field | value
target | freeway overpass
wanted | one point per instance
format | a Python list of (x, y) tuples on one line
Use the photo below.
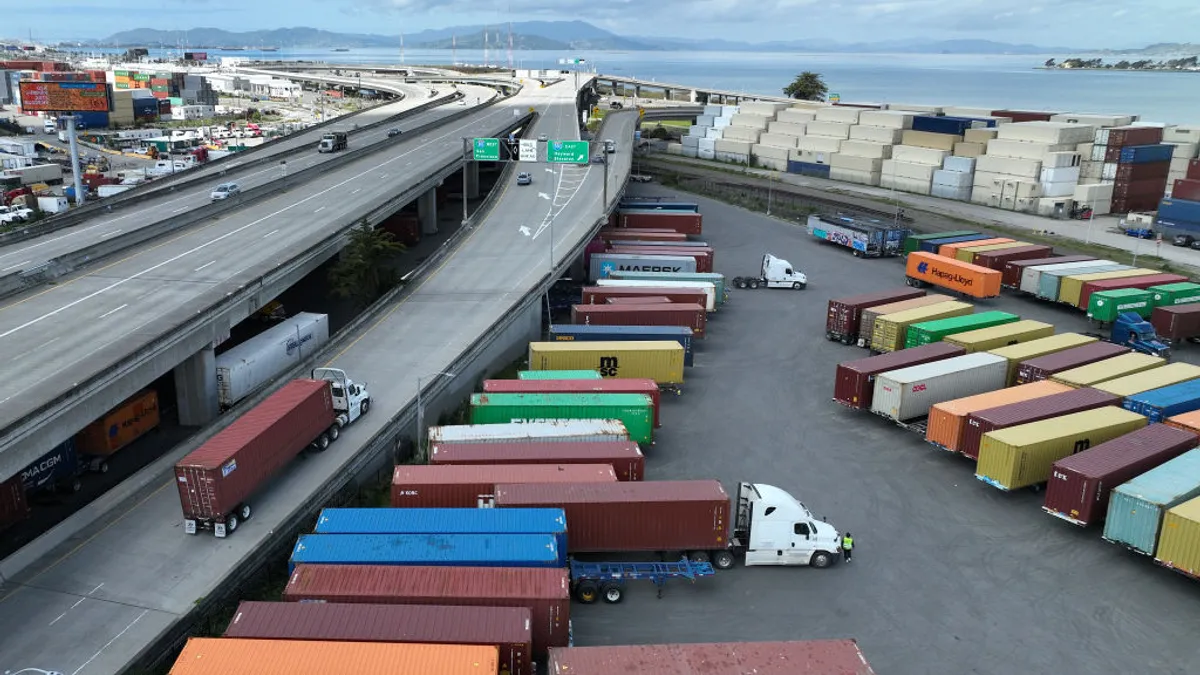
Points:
[(683, 92), (136, 585)]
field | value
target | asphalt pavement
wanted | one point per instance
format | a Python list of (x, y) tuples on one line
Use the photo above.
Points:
[(949, 575)]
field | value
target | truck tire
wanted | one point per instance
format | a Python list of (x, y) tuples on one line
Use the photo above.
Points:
[(587, 592), (366, 405), (798, 286), (322, 442), (244, 511), (698, 556), (739, 282), (821, 559), (231, 524), (613, 593), (723, 560), (753, 283), (334, 432)]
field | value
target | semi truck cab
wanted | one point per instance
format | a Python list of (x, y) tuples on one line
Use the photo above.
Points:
[(350, 400), (771, 527), (1131, 330), (333, 141)]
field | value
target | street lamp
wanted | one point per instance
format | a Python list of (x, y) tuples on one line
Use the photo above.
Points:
[(421, 409)]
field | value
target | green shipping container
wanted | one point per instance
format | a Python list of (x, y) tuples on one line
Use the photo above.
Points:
[(1182, 293), (1035, 348), (1104, 306), (713, 278), (935, 331), (1022, 456), (142, 77), (986, 339), (559, 375), (1108, 369), (891, 330), (175, 100), (913, 241), (1156, 378), (636, 411)]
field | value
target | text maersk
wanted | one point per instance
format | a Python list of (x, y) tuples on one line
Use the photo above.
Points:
[(634, 267)]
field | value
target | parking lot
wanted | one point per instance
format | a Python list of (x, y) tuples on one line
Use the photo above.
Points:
[(950, 575)]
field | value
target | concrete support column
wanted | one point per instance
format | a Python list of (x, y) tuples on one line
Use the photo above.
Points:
[(196, 388), (694, 96), (427, 211), (637, 91), (472, 170)]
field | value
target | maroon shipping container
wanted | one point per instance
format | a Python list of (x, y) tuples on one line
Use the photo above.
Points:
[(845, 314), (468, 487), (995, 260), (703, 254), (808, 657), (545, 592), (217, 478), (1045, 367), (1133, 182), (13, 507), (1079, 485), (1014, 268), (854, 383), (616, 385), (1120, 137), (632, 234), (508, 628), (1147, 202), (1147, 281), (682, 222), (981, 422), (1193, 170), (639, 300), (625, 457), (1024, 115), (1187, 189), (598, 295), (674, 314), (1178, 322), (681, 515)]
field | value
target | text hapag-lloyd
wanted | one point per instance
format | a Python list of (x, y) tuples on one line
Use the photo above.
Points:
[(952, 277)]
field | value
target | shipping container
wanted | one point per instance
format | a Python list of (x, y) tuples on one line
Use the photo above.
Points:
[(604, 264), (1026, 351), (1044, 367), (229, 656), (703, 256), (951, 250), (252, 364), (1136, 383), (657, 360), (968, 254), (972, 280), (1070, 290), (998, 259), (1108, 369), (1080, 485), (844, 315), (573, 333), (643, 387), (683, 222), (470, 486), (1021, 456), (1118, 137), (1176, 323), (823, 657), (640, 234), (1106, 306), (1014, 269), (869, 239), (121, 426), (1136, 508), (688, 316), (1031, 276), (1144, 282), (1186, 188), (1179, 542), (935, 244), (541, 375), (13, 506), (1179, 209), (1146, 154), (679, 291), (948, 419), (656, 204), (1050, 281), (1169, 295), (908, 393), (890, 332), (714, 278), (635, 411), (913, 241), (625, 457), (854, 384), (866, 328), (443, 521), (544, 591), (1188, 421), (454, 550), (935, 331), (985, 339), (686, 515), (217, 478), (982, 422), (507, 628), (564, 431)]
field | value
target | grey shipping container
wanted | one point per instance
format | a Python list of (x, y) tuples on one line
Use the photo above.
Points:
[(1031, 276), (909, 393), (604, 264), (250, 365), (525, 432)]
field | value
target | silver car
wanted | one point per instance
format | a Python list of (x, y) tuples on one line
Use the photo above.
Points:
[(225, 191)]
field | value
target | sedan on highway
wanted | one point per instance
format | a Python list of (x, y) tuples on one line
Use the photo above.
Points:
[(225, 191), (543, 138), (524, 178), (393, 132)]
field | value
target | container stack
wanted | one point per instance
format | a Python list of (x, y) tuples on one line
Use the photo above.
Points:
[(1010, 175), (1135, 162), (955, 178), (974, 142), (706, 130), (1180, 213), (1187, 148), (869, 143)]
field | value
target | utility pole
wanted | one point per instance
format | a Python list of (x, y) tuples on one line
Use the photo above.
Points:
[(466, 161), (485, 46)]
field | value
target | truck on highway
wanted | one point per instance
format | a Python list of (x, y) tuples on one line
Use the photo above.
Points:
[(216, 480), (248, 366), (333, 141), (774, 273)]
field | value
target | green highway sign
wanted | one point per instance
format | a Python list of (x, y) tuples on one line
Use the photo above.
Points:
[(567, 152), (486, 149)]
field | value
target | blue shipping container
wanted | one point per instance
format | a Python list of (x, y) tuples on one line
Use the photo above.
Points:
[(934, 124), (58, 467), (1159, 404), (1136, 508), (808, 169), (571, 333), (91, 120), (445, 521), (456, 550), (1179, 210), (1146, 154), (932, 245)]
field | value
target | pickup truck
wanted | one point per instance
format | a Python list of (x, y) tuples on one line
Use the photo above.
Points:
[(12, 215)]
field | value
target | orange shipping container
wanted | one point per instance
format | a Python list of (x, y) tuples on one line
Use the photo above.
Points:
[(233, 656), (1188, 421), (951, 250), (948, 419), (965, 278), (121, 426)]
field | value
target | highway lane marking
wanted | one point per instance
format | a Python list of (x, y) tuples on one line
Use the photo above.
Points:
[(106, 235), (319, 209), (272, 232), (205, 265), (110, 642), (180, 209), (356, 191), (77, 603), (40, 347), (20, 264), (113, 311)]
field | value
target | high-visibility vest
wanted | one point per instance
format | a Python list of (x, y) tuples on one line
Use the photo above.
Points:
[(848, 543)]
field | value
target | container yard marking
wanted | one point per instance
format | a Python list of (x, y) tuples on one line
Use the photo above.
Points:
[(110, 642), (77, 603)]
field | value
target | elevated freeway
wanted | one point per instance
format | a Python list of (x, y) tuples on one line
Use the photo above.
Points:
[(621, 83), (117, 596)]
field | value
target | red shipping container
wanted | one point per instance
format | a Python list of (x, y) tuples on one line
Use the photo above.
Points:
[(703, 254), (1085, 295), (844, 315), (508, 628), (13, 507), (682, 515), (1045, 367), (631, 234), (544, 591), (995, 260), (680, 221), (599, 295), (1080, 485), (625, 457), (1014, 268), (468, 487), (1119, 137), (214, 479), (981, 422), (1024, 115), (1187, 189), (1148, 202), (674, 314), (1193, 170), (815, 657), (639, 300), (614, 385), (1176, 323), (1136, 179), (405, 227), (854, 383)]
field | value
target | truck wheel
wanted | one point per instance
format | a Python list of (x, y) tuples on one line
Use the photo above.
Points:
[(231, 524), (366, 405), (323, 442), (613, 593), (820, 560), (587, 592), (723, 560), (102, 467), (740, 283), (698, 556), (76, 485), (753, 283), (244, 510), (334, 432), (797, 285)]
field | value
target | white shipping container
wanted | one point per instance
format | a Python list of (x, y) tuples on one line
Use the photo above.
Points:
[(991, 181), (690, 141), (960, 194), (1181, 134), (721, 122), (787, 128), (1094, 120), (867, 149), (981, 136), (1068, 174), (1052, 207), (110, 190), (865, 164), (1091, 171), (819, 144), (1101, 137), (1093, 192), (706, 153), (908, 394), (698, 131), (1000, 147), (764, 108), (574, 431), (1054, 133), (953, 179), (959, 164), (53, 204), (674, 148), (1183, 152), (859, 132), (18, 146), (708, 143), (729, 110), (709, 288), (714, 133), (917, 108), (735, 146), (712, 110), (692, 152), (752, 121), (796, 116), (778, 140), (839, 114), (840, 130), (977, 113), (1058, 190), (913, 185), (971, 150), (1109, 172), (705, 120), (810, 156), (769, 152), (985, 196), (1101, 208), (248, 366), (772, 163), (732, 157), (927, 139), (916, 155), (737, 133), (1098, 152), (1024, 168), (1060, 159), (852, 176), (922, 172), (1022, 189), (888, 119), (1031, 276)]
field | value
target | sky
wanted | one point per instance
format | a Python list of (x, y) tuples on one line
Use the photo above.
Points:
[(1115, 24)]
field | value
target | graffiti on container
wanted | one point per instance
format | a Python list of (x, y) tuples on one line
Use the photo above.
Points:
[(609, 366), (919, 387)]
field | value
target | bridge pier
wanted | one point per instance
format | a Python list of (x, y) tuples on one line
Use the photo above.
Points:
[(427, 211), (196, 388), (472, 171), (694, 96)]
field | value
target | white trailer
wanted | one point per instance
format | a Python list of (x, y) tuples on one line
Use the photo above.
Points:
[(250, 365), (38, 173), (709, 288), (578, 431)]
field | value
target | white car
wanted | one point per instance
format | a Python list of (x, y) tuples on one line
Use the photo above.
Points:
[(225, 191), (14, 214)]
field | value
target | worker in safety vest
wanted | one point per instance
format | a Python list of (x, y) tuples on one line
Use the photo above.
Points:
[(847, 546)]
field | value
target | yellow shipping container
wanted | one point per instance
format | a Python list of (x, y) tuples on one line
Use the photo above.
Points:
[(1021, 456), (1108, 369), (1179, 540), (1071, 288), (948, 418), (1165, 376), (967, 255), (661, 361), (891, 329), (1035, 348), (1005, 335)]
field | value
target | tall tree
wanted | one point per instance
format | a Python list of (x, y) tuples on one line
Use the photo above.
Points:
[(359, 273), (808, 86)]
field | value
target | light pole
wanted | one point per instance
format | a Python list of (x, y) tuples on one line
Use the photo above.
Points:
[(421, 409)]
